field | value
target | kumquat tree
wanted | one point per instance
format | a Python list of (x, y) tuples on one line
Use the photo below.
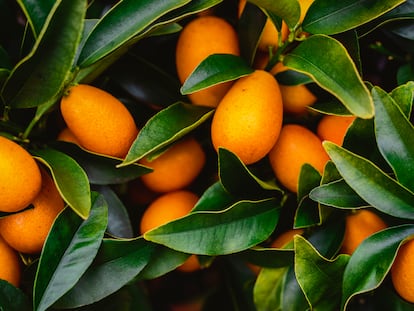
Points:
[(206, 155)]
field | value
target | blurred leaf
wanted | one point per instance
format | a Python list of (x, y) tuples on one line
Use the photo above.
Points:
[(268, 257), (214, 198), (101, 170), (330, 107), (325, 59), (403, 96), (337, 194), (331, 17), (372, 184), (241, 226), (5, 61), (121, 23), (43, 72), (293, 297), (117, 263), (288, 10), (292, 77), (372, 260), (237, 179), (12, 298), (165, 127), (395, 136), (215, 69), (36, 13), (70, 179), (319, 277), (267, 292), (119, 223), (70, 248)]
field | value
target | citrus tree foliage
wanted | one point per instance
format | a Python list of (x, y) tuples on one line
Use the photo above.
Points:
[(94, 256)]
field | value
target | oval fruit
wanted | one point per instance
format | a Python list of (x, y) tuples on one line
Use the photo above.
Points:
[(10, 267), (333, 128), (402, 271), (249, 117), (99, 121)]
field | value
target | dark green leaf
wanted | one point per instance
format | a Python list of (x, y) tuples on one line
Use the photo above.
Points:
[(331, 17), (371, 261), (237, 228), (70, 248), (371, 183), (268, 288), (41, 75), (36, 13), (117, 263), (215, 198), (123, 22), (292, 77), (403, 96), (70, 179), (12, 298), (288, 10), (293, 297), (395, 136), (165, 127), (319, 277), (216, 68), (328, 63), (268, 257)]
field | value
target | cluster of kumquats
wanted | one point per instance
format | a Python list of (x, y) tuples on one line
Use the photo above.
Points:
[(250, 119)]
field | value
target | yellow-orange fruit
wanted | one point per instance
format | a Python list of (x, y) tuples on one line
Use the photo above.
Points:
[(358, 226), (333, 128), (249, 117), (402, 271), (284, 238), (176, 168), (26, 231), (20, 179), (67, 135), (296, 146), (200, 38), (10, 267), (99, 121)]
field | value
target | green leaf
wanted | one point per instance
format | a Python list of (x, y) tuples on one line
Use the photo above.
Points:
[(372, 260), (371, 183), (395, 137), (319, 278), (214, 198), (12, 298), (292, 77), (241, 226), (330, 66), (267, 291), (331, 17), (70, 179), (121, 23), (42, 74), (237, 179), (101, 170), (403, 96), (70, 248), (117, 263), (165, 127), (268, 257), (215, 69), (36, 13)]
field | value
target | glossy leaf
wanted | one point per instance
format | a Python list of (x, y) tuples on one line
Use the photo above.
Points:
[(331, 17), (36, 13), (70, 248), (43, 72), (395, 137), (214, 198), (13, 298), (292, 77), (337, 194), (70, 179), (124, 21), (403, 96), (319, 278), (372, 184), (372, 260), (117, 263), (288, 10), (101, 170), (268, 288), (165, 127), (325, 60), (237, 179), (215, 69), (241, 226)]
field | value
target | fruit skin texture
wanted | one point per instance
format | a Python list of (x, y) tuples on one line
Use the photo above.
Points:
[(176, 168), (20, 179), (358, 226), (296, 146), (402, 271), (249, 117), (67, 136), (333, 128), (26, 231), (99, 121), (201, 37), (10, 267), (168, 207)]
